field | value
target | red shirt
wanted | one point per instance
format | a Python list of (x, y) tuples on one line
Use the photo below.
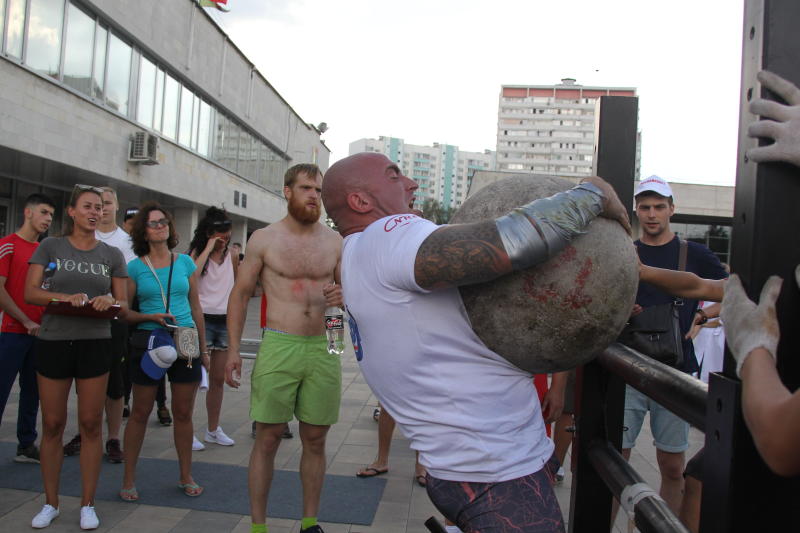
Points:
[(14, 255)]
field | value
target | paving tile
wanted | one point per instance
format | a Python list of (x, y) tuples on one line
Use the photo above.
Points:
[(204, 521), (351, 444)]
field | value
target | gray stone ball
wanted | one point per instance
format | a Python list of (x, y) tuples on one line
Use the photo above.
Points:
[(559, 314)]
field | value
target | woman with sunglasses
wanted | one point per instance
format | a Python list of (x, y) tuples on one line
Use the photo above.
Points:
[(217, 269), (158, 277), (86, 277)]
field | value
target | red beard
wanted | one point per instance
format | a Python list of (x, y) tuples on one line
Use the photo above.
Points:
[(303, 213)]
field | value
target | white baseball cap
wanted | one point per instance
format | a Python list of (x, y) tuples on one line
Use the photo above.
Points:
[(655, 184)]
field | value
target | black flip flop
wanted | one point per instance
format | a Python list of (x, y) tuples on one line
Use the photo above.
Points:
[(377, 472)]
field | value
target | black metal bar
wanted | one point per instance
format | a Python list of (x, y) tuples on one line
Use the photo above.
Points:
[(590, 498), (616, 121), (739, 492), (679, 392), (601, 396), (766, 194), (651, 512)]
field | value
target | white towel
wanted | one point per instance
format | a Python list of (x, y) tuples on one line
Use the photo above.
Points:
[(203, 379)]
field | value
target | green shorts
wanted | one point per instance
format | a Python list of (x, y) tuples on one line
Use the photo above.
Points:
[(295, 375)]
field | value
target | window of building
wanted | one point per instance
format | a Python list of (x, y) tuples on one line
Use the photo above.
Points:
[(43, 53), (15, 27), (158, 107), (204, 129), (2, 28), (119, 74), (170, 110), (99, 76), (78, 50), (245, 147), (185, 122), (232, 146), (195, 120), (147, 92)]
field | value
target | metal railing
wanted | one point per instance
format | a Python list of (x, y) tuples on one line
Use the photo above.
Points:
[(598, 439)]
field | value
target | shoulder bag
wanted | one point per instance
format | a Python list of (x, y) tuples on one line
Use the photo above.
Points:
[(187, 342), (656, 331)]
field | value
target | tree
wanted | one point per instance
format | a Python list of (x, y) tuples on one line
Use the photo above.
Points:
[(434, 211)]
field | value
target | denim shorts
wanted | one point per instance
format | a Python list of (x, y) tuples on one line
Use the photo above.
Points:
[(670, 433), (216, 332)]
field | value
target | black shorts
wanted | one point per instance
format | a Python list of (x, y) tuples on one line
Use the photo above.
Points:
[(80, 359), (119, 352), (179, 372), (694, 467)]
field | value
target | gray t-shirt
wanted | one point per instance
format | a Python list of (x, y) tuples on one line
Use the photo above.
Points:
[(78, 271)]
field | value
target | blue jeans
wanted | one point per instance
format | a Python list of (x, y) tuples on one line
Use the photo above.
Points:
[(16, 357)]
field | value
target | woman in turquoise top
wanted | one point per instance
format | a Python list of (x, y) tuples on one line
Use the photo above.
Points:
[(154, 237)]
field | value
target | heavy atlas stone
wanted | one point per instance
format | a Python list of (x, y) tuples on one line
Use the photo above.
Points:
[(560, 314)]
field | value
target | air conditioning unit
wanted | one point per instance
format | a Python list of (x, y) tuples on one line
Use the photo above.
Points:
[(143, 148)]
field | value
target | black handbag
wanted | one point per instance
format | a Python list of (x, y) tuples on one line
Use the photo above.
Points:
[(656, 331)]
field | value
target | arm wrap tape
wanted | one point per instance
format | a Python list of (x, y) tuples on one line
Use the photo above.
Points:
[(535, 232)]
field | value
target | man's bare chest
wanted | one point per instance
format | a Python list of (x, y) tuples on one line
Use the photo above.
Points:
[(302, 260)]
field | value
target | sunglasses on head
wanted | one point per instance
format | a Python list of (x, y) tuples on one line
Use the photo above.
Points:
[(79, 187), (221, 224), (160, 223)]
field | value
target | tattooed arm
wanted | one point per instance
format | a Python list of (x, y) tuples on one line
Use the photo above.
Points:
[(463, 254)]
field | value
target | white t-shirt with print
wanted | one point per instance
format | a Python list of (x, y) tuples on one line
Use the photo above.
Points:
[(118, 238), (472, 415)]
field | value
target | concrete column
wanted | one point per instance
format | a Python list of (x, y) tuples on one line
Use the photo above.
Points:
[(186, 219), (239, 232)]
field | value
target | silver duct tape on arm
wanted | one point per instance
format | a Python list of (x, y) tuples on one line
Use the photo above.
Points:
[(535, 232)]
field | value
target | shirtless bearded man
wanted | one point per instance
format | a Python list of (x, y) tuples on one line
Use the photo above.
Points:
[(293, 374)]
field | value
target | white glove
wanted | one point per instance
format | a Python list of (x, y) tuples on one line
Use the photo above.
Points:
[(783, 125), (749, 326)]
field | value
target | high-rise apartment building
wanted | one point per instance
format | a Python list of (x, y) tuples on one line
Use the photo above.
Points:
[(442, 171), (549, 129)]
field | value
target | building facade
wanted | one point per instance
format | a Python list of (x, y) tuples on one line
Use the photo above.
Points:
[(442, 171), (79, 79), (549, 129)]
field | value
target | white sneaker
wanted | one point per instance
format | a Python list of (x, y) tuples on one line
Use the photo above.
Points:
[(45, 516), (219, 437), (89, 518), (560, 475), (197, 446)]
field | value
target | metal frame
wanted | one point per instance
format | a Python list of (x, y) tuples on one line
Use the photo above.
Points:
[(601, 417), (740, 493)]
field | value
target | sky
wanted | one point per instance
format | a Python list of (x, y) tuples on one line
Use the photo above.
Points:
[(431, 71)]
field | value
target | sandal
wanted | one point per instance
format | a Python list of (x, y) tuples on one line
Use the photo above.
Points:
[(129, 495), (371, 471), (192, 489)]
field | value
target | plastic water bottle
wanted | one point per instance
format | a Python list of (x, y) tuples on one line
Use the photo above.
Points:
[(49, 272), (334, 330)]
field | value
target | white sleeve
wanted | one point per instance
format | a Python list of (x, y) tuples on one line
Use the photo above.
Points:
[(397, 244)]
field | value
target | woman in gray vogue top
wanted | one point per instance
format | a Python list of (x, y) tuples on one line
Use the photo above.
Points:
[(90, 276)]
